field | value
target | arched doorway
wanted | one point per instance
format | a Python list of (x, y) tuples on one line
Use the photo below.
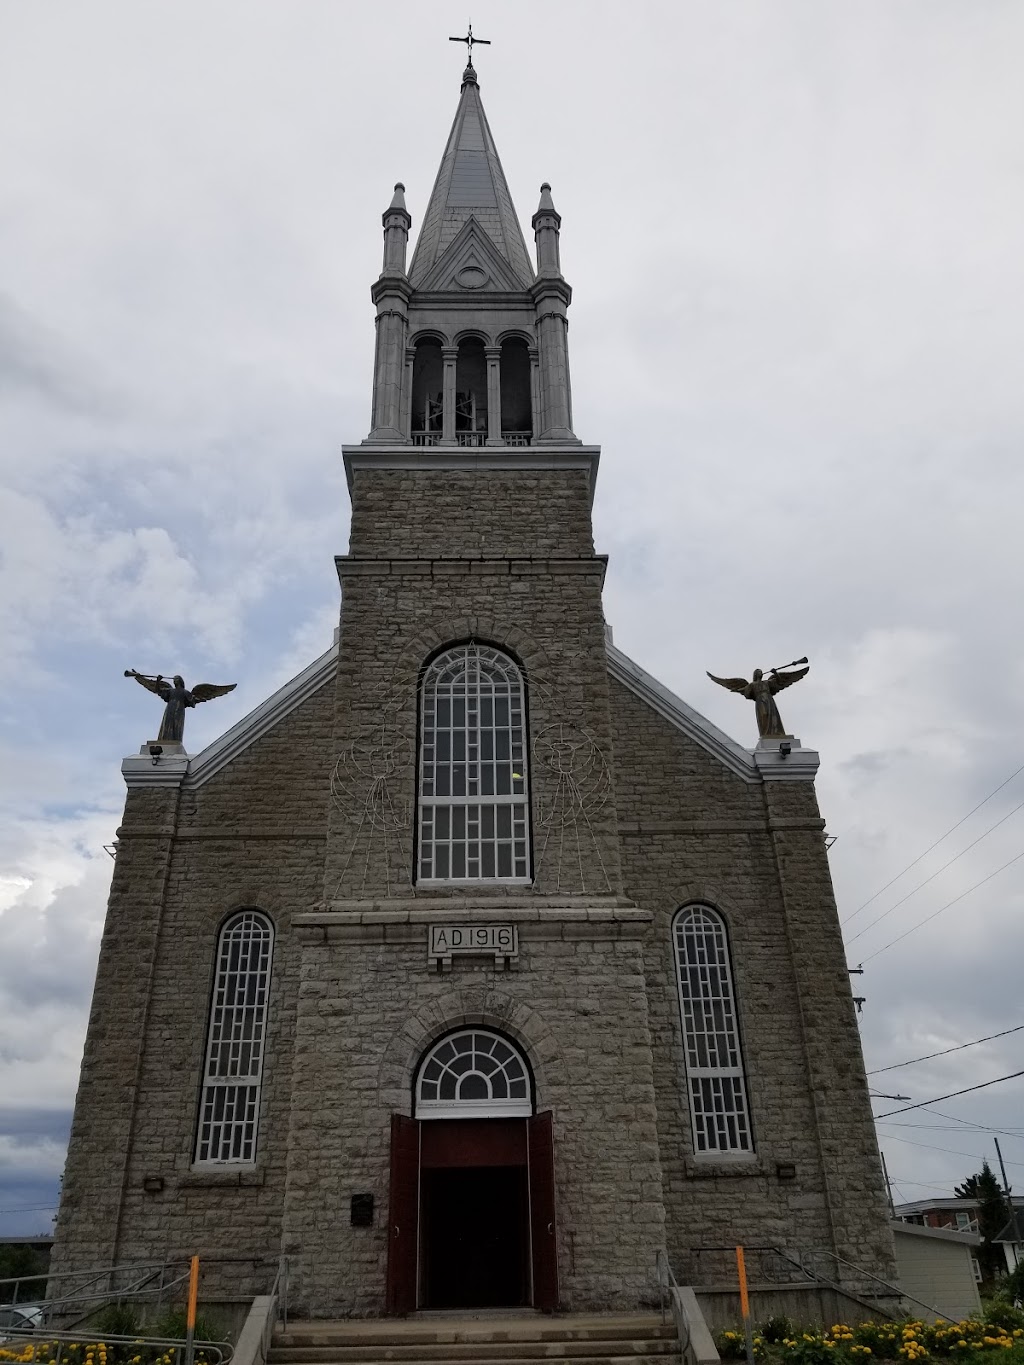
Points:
[(472, 1182)]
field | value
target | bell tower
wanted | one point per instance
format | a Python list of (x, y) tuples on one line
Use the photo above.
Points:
[(471, 342), (471, 523)]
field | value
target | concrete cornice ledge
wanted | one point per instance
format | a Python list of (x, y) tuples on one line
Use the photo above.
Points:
[(141, 771), (445, 458), (785, 760)]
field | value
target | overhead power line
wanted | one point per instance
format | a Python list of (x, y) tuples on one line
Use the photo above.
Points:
[(946, 1051), (935, 913), (951, 830), (885, 914), (1001, 1132), (952, 1094), (924, 1184), (951, 1151), (959, 1127)]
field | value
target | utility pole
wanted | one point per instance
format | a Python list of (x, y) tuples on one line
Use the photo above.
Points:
[(1006, 1183), (888, 1185)]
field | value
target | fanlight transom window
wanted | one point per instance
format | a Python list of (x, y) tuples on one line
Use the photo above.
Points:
[(473, 1074), (711, 1040), (473, 806), (230, 1105)]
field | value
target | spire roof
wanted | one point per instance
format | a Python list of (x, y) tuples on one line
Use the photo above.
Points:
[(470, 184)]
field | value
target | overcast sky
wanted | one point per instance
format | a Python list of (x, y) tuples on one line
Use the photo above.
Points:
[(793, 230)]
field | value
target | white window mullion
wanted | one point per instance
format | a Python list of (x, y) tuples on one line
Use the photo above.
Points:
[(716, 1084), (233, 1072), (473, 806)]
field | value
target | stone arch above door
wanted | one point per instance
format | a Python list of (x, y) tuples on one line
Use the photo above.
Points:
[(486, 1008)]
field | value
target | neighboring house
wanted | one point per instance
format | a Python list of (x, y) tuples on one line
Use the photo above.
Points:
[(1011, 1238), (938, 1270), (961, 1215)]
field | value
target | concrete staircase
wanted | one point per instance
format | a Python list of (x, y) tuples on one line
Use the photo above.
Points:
[(582, 1339)]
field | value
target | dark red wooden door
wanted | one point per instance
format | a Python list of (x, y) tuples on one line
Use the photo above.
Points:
[(542, 1212), (403, 1214)]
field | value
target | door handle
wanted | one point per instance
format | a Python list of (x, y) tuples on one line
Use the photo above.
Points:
[(551, 1229), (397, 1230)]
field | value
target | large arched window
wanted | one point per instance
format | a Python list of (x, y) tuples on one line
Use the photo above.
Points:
[(473, 806), (230, 1105), (473, 1073), (711, 1038)]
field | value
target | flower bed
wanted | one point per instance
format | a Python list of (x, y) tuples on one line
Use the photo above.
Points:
[(139, 1352), (779, 1342)]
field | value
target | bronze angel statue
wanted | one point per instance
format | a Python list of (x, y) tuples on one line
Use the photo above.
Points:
[(761, 691), (176, 697)]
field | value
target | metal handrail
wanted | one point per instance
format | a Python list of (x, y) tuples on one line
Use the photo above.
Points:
[(279, 1291), (815, 1278), (91, 1288)]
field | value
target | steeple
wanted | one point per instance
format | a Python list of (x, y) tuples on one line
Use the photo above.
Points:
[(470, 184), (472, 346)]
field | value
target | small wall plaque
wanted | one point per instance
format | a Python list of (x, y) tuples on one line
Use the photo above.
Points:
[(448, 940)]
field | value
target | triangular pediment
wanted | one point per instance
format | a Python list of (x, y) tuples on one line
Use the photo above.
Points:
[(471, 265)]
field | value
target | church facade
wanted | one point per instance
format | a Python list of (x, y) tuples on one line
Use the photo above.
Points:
[(473, 968)]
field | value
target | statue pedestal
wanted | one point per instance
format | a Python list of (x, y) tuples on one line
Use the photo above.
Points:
[(169, 748), (782, 758)]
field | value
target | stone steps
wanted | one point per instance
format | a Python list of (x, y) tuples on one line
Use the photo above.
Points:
[(580, 1339)]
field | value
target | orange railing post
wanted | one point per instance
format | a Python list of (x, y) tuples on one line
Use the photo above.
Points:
[(741, 1271)]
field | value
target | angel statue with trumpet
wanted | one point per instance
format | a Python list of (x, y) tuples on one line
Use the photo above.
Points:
[(176, 697), (761, 691)]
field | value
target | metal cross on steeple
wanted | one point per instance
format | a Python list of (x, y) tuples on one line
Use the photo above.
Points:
[(469, 40)]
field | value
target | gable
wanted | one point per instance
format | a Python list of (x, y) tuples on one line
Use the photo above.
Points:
[(471, 264)]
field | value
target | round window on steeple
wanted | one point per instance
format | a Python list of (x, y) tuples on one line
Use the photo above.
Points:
[(471, 277)]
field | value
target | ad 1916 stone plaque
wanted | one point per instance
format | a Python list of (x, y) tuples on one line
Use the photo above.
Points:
[(448, 940)]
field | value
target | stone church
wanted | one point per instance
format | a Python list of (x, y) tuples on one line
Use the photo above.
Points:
[(473, 968)]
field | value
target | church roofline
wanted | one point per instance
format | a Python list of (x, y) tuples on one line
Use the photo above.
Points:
[(141, 771), (752, 766)]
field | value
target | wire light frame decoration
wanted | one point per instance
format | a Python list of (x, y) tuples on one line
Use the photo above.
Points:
[(578, 785), (371, 782)]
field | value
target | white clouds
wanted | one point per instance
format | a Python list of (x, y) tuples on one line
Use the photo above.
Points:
[(797, 323)]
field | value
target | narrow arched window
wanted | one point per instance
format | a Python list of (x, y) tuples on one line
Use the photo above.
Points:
[(230, 1105), (711, 1038), (473, 806)]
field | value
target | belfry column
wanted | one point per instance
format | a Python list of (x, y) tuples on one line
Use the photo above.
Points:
[(410, 357), (493, 355), (391, 295), (449, 355), (551, 296)]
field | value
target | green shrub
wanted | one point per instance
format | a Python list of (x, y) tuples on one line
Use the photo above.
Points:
[(119, 1319), (174, 1324), (776, 1329)]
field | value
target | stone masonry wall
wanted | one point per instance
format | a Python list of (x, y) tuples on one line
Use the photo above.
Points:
[(368, 1010), (539, 597), (692, 830), (252, 836)]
